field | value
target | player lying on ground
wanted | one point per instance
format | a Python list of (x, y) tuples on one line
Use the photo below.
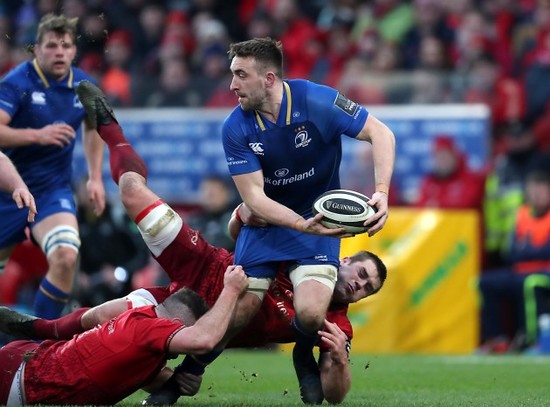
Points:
[(190, 261), (93, 368), (11, 182)]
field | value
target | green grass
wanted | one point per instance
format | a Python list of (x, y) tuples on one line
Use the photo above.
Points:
[(261, 378)]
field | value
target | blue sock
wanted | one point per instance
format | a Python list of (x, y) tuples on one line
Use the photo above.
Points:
[(49, 300)]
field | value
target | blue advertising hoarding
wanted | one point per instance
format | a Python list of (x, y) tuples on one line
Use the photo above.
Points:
[(181, 146)]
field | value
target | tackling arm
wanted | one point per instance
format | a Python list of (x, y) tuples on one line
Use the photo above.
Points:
[(208, 331), (334, 364)]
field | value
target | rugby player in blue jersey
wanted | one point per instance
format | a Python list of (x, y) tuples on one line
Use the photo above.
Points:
[(40, 115), (283, 149)]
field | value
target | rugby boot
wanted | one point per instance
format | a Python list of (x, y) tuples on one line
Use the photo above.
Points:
[(309, 377), (95, 103), (167, 395), (16, 324)]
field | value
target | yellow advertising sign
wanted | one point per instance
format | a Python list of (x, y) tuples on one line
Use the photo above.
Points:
[(429, 303)]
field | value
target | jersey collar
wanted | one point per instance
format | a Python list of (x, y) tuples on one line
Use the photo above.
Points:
[(288, 108), (44, 79)]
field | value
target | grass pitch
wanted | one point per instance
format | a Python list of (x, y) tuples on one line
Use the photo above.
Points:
[(266, 378)]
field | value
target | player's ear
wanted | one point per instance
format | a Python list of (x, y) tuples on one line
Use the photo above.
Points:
[(345, 260), (270, 79)]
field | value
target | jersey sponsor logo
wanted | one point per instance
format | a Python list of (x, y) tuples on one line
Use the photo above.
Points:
[(257, 148), (233, 161), (302, 139), (282, 172), (346, 105), (321, 257), (38, 98), (288, 180)]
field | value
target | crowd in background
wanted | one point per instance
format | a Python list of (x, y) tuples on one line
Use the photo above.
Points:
[(173, 53)]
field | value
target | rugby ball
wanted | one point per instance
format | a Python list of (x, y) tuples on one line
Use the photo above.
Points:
[(344, 208)]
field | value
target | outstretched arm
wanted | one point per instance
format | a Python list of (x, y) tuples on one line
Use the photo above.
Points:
[(334, 364), (11, 181), (208, 331)]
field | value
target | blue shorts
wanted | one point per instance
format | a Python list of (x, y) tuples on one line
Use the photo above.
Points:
[(261, 250), (13, 220)]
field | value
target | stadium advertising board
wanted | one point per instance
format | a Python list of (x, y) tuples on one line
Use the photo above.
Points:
[(180, 146)]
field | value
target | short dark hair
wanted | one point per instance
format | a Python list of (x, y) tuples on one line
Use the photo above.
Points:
[(185, 304), (59, 24), (267, 52), (363, 255)]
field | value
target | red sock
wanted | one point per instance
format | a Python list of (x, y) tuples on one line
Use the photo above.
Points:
[(123, 158), (61, 328)]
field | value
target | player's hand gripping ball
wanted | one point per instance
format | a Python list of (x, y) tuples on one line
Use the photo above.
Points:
[(344, 208)]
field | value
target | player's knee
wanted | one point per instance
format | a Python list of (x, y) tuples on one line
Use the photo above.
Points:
[(311, 318), (159, 227), (130, 189), (62, 262)]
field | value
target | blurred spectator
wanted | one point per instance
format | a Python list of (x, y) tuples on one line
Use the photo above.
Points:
[(358, 174), (429, 21), (92, 35), (5, 57), (484, 82), (112, 251), (117, 78), (450, 184), (218, 200), (504, 187), (529, 253), (176, 87)]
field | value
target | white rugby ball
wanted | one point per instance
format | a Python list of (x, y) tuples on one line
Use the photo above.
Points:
[(344, 208)]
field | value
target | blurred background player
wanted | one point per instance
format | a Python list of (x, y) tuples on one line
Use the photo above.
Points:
[(39, 117)]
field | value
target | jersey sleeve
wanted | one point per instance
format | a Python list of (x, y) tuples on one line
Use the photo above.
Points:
[(239, 156), (10, 97), (334, 113)]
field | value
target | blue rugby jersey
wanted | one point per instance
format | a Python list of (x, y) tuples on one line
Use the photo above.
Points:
[(300, 154), (33, 100), (300, 157)]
